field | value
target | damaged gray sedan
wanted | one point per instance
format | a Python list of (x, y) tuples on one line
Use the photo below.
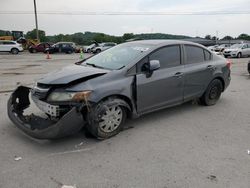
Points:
[(125, 81)]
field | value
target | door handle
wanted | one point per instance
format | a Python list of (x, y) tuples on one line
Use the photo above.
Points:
[(211, 67), (178, 74)]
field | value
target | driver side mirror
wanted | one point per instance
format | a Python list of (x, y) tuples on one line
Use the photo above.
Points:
[(150, 67), (154, 65)]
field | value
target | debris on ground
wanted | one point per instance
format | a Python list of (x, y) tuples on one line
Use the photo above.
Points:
[(17, 158), (78, 145), (212, 177), (61, 184), (68, 186)]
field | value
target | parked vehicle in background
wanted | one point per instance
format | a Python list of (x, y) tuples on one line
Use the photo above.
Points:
[(103, 46), (238, 50), (222, 47), (10, 46), (39, 47), (212, 48), (128, 80), (89, 48), (61, 47)]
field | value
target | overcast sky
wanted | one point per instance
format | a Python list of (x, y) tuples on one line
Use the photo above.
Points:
[(192, 25)]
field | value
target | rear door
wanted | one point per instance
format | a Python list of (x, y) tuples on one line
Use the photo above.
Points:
[(246, 50), (165, 86), (198, 71)]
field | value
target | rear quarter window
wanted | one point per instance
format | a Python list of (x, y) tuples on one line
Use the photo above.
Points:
[(194, 54)]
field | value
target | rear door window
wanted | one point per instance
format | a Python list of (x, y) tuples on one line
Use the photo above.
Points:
[(8, 43), (194, 54), (169, 56)]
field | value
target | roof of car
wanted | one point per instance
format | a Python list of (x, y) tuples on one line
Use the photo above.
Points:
[(7, 41), (162, 42)]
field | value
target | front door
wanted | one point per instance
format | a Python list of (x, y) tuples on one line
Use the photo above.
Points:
[(165, 86)]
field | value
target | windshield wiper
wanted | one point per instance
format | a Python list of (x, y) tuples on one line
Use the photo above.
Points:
[(94, 65)]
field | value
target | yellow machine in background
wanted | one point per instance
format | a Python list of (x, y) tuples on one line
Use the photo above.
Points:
[(19, 37)]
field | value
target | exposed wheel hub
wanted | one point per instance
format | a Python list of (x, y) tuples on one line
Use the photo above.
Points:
[(111, 119)]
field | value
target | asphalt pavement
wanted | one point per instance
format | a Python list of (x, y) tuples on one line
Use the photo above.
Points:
[(180, 147)]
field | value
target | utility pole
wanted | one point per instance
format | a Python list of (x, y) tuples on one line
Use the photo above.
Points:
[(37, 33)]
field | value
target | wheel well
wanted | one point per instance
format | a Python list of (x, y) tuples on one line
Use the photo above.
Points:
[(122, 97), (222, 81), (13, 49)]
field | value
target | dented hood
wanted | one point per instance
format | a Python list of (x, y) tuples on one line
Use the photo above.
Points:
[(71, 73)]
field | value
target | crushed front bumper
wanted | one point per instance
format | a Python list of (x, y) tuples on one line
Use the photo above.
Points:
[(38, 127)]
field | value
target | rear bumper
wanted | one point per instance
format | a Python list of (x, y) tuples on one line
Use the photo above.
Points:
[(36, 126)]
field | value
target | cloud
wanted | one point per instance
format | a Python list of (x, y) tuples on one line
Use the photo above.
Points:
[(186, 25)]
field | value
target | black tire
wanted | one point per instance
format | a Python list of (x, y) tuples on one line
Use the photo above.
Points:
[(34, 50), (14, 51), (96, 121), (239, 55), (69, 52), (98, 51), (248, 67), (89, 51), (212, 93)]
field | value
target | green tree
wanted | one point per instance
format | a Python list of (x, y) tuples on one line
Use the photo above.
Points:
[(208, 37), (227, 38), (32, 35), (127, 36), (214, 38), (243, 36)]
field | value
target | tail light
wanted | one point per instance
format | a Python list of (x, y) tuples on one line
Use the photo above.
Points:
[(229, 63)]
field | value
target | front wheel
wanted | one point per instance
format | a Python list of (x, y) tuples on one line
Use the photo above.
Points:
[(212, 93), (14, 51), (248, 67), (239, 55), (106, 119)]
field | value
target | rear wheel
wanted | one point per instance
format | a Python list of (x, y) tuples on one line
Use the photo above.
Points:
[(33, 50), (212, 93), (98, 50), (14, 51), (89, 51), (106, 119)]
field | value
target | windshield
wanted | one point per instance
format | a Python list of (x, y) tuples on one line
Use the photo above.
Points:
[(236, 46), (117, 57)]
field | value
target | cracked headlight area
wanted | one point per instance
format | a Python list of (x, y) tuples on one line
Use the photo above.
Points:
[(68, 96), (61, 96)]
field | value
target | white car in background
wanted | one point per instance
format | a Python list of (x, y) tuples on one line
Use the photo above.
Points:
[(212, 48), (10, 46), (237, 50), (88, 49), (103, 46)]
